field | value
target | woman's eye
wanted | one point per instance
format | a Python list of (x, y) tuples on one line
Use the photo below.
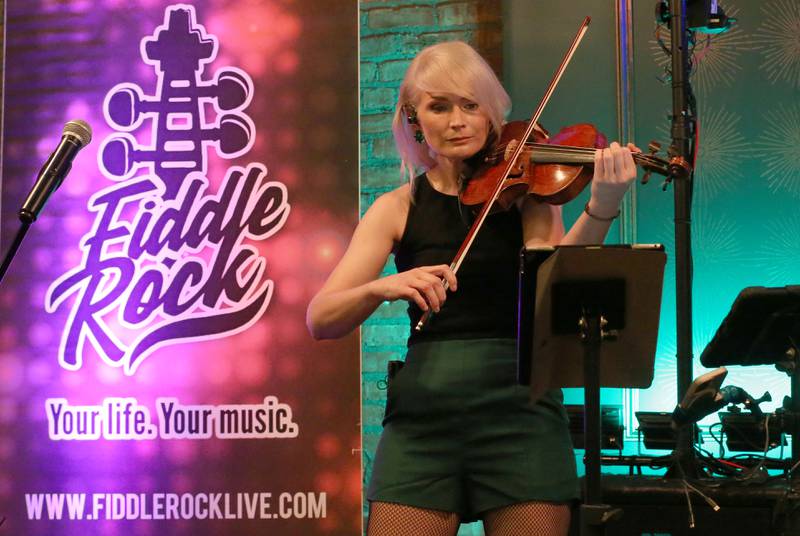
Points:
[(438, 108), (471, 106)]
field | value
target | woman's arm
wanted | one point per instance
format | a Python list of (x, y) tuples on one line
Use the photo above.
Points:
[(542, 224), (353, 291)]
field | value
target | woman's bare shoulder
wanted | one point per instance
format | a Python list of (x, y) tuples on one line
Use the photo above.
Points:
[(391, 210), (400, 197)]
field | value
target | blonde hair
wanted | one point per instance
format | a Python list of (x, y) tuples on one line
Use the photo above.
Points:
[(451, 67)]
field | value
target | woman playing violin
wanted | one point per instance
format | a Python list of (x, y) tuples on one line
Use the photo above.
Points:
[(461, 439)]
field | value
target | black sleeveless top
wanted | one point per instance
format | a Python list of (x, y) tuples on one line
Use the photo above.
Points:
[(485, 304)]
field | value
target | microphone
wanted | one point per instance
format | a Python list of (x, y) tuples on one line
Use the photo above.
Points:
[(76, 135)]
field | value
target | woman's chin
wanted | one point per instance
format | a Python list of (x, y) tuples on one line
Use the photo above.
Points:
[(459, 153)]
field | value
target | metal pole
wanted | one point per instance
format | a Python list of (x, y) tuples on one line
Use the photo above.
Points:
[(681, 140)]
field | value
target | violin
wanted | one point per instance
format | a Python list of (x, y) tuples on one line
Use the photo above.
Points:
[(560, 166)]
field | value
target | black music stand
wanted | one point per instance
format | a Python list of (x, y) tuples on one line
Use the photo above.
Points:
[(763, 328), (588, 316)]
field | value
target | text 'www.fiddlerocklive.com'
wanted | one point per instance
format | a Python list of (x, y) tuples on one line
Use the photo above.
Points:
[(168, 506)]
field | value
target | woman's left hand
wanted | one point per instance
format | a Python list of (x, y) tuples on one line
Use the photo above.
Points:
[(614, 171)]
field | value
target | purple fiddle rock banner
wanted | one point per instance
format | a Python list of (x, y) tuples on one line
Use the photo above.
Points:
[(156, 376)]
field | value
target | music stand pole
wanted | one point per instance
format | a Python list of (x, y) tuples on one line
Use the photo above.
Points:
[(594, 514)]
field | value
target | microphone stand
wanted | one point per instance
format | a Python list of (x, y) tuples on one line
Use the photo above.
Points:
[(12, 251), (682, 136), (27, 215)]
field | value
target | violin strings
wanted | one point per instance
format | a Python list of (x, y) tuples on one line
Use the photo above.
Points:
[(567, 151), (548, 147)]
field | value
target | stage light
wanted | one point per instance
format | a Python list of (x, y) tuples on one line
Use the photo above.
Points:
[(746, 432), (655, 429), (705, 16), (611, 428)]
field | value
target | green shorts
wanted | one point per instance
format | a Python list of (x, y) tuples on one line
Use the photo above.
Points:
[(460, 435)]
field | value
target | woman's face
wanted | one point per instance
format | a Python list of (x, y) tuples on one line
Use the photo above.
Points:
[(454, 127)]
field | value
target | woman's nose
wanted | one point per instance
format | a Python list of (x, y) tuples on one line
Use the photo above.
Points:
[(457, 118)]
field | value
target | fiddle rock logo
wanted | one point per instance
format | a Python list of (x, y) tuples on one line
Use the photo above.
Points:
[(167, 261)]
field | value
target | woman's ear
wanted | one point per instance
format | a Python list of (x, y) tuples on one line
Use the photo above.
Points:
[(411, 114)]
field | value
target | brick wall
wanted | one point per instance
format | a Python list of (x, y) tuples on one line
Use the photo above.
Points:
[(392, 32)]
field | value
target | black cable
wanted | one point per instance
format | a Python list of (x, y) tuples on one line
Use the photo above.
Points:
[(717, 439)]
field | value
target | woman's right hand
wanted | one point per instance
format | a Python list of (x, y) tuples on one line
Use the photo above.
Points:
[(424, 286)]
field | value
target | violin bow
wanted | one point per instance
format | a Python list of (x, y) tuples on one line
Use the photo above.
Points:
[(484, 212)]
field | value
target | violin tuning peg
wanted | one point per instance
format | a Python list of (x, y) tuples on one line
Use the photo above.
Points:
[(646, 177), (654, 147)]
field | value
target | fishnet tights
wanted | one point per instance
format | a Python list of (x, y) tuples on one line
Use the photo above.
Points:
[(524, 519), (389, 519), (528, 519)]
